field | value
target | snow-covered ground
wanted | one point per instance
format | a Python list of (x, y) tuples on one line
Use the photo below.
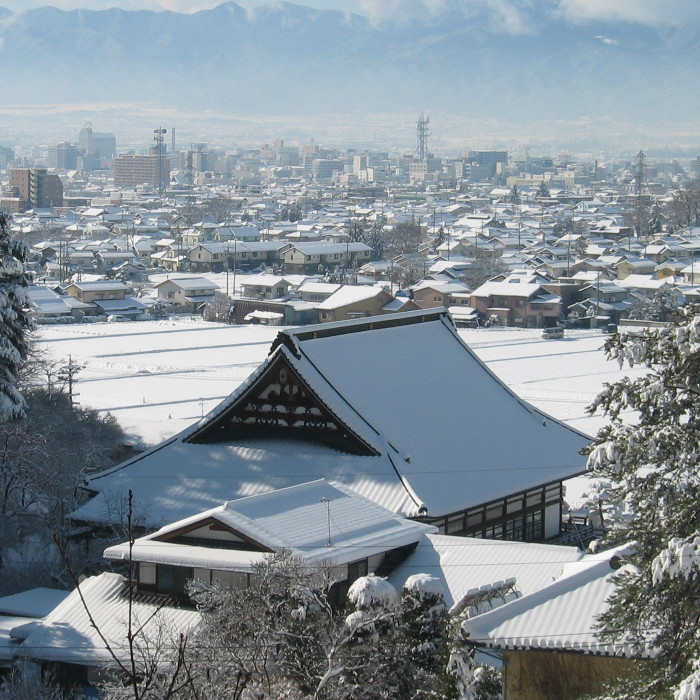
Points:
[(158, 377)]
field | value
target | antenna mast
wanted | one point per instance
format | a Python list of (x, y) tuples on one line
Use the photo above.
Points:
[(422, 133), (159, 138)]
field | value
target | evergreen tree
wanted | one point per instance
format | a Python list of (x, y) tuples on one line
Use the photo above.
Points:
[(543, 190), (15, 321), (652, 462)]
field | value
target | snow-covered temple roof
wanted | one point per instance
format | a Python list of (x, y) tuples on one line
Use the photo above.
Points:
[(396, 408)]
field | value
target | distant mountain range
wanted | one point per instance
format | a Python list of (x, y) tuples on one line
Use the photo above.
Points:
[(288, 59)]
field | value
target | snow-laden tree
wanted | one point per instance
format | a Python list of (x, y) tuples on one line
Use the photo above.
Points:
[(649, 451), (15, 321), (284, 634)]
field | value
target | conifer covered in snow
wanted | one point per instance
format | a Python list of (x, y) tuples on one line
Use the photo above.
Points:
[(280, 637), (14, 321), (650, 451)]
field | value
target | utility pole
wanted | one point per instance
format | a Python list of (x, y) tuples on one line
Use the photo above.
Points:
[(67, 374)]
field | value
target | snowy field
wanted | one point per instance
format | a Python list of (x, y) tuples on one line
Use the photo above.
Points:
[(158, 377)]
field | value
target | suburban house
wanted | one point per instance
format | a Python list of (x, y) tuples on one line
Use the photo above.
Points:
[(209, 256), (264, 286), (516, 302), (317, 291), (306, 257), (109, 259), (352, 301), (96, 291), (311, 410), (187, 293), (430, 294), (46, 306)]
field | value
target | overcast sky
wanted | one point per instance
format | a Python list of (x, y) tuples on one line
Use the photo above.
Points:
[(649, 12)]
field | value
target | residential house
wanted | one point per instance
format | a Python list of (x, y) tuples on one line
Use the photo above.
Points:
[(517, 301), (634, 266), (187, 293), (46, 306), (430, 294), (210, 257), (264, 286), (307, 257), (352, 301), (107, 260), (601, 303), (96, 291), (317, 291)]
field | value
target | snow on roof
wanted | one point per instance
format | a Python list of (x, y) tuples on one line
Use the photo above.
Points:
[(262, 280), (102, 286), (349, 294), (316, 521), (446, 287), (644, 282), (127, 303), (560, 616), (507, 289), (414, 458), (263, 316), (37, 602), (190, 283), (8, 644), (467, 563), (67, 634), (46, 302), (319, 287)]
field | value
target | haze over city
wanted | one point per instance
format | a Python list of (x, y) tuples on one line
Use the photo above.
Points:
[(576, 75)]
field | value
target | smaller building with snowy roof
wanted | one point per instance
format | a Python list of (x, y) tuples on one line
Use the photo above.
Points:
[(318, 523)]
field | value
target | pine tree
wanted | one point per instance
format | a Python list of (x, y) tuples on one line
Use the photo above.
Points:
[(15, 321), (652, 462)]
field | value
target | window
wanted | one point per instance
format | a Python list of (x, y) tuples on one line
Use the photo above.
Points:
[(357, 569), (534, 498), (147, 574), (172, 579), (455, 524)]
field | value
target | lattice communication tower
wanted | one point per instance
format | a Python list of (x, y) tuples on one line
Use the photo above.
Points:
[(422, 133)]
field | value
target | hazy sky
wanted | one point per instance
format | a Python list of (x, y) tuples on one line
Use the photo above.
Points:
[(649, 12), (175, 5)]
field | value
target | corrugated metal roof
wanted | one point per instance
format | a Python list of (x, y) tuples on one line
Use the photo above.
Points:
[(562, 616), (466, 563), (67, 635)]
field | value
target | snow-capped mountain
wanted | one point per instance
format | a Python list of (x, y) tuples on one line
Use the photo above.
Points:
[(285, 58)]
